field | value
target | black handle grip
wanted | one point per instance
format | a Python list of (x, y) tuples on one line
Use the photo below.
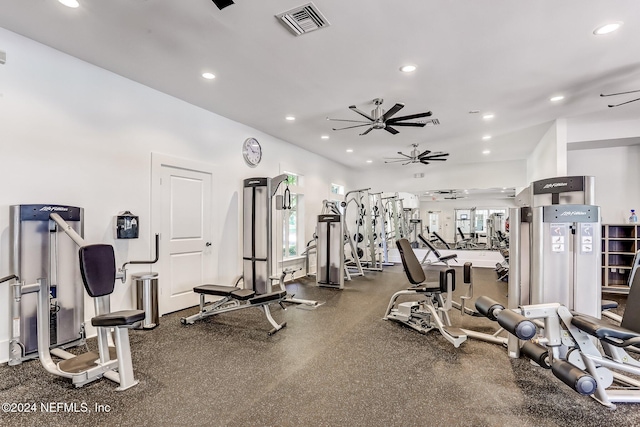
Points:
[(517, 324), (575, 378)]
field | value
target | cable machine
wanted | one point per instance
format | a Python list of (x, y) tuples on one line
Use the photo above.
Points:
[(555, 246)]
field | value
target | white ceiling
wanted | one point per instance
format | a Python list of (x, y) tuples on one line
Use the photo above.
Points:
[(501, 56)]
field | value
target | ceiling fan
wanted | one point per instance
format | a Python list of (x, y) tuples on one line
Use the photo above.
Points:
[(379, 119), (621, 93), (417, 157)]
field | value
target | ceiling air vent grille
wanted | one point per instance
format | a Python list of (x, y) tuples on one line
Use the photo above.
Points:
[(303, 19), (433, 122)]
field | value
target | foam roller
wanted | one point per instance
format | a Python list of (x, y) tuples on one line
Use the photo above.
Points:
[(517, 324), (488, 307), (575, 378), (537, 353)]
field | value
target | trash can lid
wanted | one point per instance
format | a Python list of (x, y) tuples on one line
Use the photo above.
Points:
[(143, 276)]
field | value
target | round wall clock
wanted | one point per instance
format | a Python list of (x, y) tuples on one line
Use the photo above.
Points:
[(252, 152)]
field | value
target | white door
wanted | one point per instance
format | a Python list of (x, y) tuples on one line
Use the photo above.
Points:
[(186, 225)]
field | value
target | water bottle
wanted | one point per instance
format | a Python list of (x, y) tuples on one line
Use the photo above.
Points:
[(633, 217)]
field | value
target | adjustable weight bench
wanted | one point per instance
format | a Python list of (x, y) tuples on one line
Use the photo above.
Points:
[(432, 249), (234, 298)]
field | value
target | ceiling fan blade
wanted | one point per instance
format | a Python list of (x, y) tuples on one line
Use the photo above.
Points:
[(395, 160), (353, 108), (418, 125), (351, 127), (402, 154), (411, 116), (433, 156), (392, 111), (367, 131), (432, 159), (424, 162), (628, 102), (406, 163), (424, 153), (343, 120), (391, 130)]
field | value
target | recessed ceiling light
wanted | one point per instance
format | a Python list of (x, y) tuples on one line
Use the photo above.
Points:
[(486, 137), (485, 152), (208, 76), (488, 116), (290, 118), (349, 150), (70, 3), (369, 161), (556, 98), (607, 28), (408, 68), (325, 137)]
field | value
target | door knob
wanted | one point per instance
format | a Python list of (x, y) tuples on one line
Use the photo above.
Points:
[(207, 244)]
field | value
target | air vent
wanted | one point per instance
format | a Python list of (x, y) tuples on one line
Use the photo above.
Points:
[(303, 19), (433, 122)]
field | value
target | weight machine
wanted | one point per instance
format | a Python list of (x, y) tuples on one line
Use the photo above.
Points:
[(48, 311), (365, 209), (555, 249)]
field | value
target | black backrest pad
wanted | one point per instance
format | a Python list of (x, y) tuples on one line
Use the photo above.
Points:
[(631, 317), (98, 268), (412, 266), (429, 245), (443, 280), (467, 272)]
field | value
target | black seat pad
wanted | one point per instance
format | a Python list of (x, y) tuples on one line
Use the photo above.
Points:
[(242, 294), (221, 291), (601, 329), (118, 318), (268, 297), (448, 257)]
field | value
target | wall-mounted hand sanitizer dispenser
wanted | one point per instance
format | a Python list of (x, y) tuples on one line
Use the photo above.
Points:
[(126, 226)]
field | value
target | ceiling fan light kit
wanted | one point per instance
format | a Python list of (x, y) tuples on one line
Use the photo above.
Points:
[(381, 119)]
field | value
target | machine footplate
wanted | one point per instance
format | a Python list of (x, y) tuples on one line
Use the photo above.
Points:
[(454, 332), (84, 361)]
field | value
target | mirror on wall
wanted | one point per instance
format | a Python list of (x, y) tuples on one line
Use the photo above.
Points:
[(467, 218)]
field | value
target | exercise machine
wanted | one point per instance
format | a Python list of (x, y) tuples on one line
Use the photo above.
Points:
[(590, 355), (435, 300), (444, 259), (330, 251), (39, 251)]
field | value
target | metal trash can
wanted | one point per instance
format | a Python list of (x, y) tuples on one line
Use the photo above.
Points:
[(147, 298)]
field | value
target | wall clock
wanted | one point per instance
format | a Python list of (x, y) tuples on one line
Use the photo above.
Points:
[(252, 152)]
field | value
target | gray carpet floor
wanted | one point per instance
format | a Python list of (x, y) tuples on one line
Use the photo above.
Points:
[(337, 365)]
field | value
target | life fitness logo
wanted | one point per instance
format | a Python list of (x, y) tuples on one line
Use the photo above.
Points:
[(573, 213), (555, 184), (54, 209)]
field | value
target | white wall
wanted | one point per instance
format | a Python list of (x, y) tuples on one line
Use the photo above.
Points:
[(549, 158), (616, 176), (76, 134), (395, 178)]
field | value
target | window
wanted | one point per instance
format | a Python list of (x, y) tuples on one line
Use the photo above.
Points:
[(290, 229), (337, 189), (292, 218)]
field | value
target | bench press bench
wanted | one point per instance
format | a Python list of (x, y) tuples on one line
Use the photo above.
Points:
[(235, 298)]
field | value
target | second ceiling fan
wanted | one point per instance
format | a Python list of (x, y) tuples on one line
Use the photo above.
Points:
[(381, 119)]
